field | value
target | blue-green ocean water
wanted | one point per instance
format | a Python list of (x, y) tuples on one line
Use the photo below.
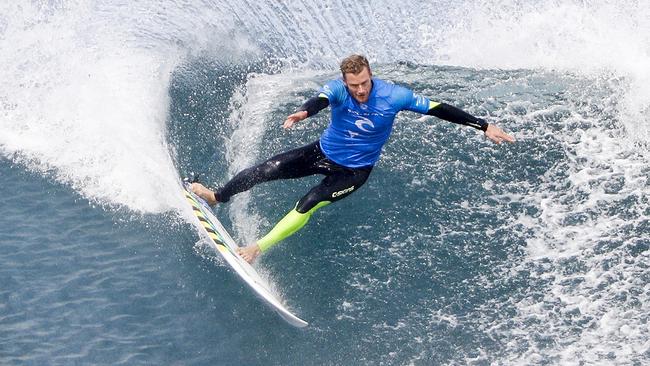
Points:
[(457, 251)]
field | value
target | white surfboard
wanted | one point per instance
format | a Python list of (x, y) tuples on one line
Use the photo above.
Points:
[(219, 238)]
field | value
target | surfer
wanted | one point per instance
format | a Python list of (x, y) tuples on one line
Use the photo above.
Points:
[(363, 109)]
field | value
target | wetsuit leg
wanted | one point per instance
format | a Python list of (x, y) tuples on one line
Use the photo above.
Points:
[(338, 183), (295, 163)]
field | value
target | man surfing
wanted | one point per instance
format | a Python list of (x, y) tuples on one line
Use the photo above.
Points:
[(363, 109)]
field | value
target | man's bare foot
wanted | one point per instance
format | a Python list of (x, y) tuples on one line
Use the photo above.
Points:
[(249, 253), (201, 191)]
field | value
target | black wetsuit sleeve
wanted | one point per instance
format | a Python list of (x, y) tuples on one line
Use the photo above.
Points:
[(457, 115), (315, 105)]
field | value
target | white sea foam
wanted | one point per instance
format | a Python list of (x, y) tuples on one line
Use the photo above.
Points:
[(594, 38), (250, 113), (586, 248), (86, 109), (84, 93), (586, 255)]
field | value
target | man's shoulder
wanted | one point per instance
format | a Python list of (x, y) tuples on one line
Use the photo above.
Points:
[(390, 91), (334, 86)]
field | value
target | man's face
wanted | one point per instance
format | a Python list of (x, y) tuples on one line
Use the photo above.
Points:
[(359, 85)]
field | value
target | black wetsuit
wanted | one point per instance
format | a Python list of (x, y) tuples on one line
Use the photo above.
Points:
[(339, 181)]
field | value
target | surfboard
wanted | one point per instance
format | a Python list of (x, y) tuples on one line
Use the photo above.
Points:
[(219, 239)]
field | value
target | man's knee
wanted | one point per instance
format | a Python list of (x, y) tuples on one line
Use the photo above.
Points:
[(311, 201), (310, 206), (267, 170), (307, 203)]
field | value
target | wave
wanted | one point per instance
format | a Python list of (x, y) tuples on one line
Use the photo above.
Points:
[(85, 85), (117, 100)]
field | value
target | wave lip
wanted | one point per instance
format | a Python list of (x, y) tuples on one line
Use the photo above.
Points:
[(79, 105)]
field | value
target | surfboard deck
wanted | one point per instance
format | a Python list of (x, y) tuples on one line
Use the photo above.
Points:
[(218, 237)]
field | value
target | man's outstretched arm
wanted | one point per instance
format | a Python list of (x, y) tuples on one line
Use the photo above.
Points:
[(457, 115), (308, 109)]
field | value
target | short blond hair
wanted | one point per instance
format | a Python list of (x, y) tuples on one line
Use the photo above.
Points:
[(354, 64)]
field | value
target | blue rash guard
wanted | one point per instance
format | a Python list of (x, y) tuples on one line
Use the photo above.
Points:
[(358, 131), (346, 151)]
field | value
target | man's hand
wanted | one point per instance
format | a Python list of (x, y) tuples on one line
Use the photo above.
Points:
[(497, 135), (293, 118)]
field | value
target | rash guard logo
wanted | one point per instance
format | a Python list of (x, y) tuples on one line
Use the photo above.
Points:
[(362, 124)]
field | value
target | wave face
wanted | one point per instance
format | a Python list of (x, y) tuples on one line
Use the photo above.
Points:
[(456, 251)]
